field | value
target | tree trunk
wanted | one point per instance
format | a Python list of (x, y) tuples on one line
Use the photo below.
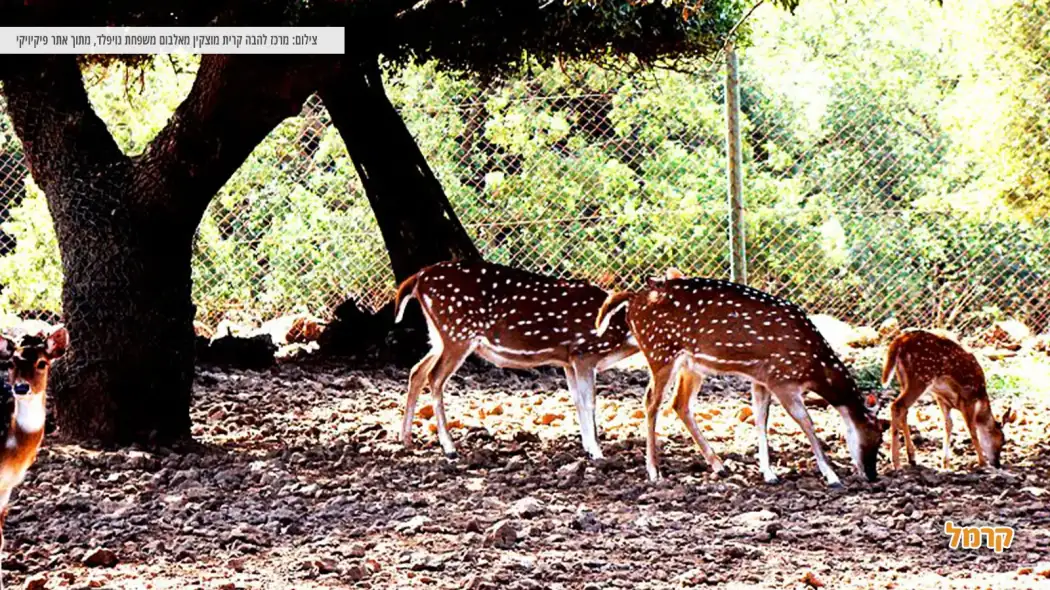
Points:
[(418, 224), (126, 297), (125, 229)]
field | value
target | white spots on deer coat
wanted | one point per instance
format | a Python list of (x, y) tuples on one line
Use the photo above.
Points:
[(725, 325)]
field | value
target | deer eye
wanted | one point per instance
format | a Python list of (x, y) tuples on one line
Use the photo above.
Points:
[(41, 365)]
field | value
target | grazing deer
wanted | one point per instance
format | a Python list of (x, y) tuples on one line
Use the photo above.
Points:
[(511, 318), (691, 327), (923, 361), (22, 426)]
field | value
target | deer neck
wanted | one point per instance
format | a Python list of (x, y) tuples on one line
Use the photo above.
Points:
[(30, 414)]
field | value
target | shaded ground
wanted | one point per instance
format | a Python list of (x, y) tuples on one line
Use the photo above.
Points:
[(299, 483)]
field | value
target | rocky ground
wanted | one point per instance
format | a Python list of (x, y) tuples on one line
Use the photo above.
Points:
[(298, 483)]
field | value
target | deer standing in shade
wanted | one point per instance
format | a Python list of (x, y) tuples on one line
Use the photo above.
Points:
[(23, 414)]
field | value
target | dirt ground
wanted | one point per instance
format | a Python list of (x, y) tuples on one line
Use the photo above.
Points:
[(299, 483)]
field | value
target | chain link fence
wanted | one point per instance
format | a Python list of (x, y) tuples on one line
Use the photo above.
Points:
[(886, 173)]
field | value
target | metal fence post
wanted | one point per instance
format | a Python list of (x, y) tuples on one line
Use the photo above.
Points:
[(737, 253)]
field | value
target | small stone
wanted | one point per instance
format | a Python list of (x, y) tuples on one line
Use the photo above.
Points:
[(426, 412), (100, 557), (412, 526), (586, 521), (502, 535), (326, 566), (237, 564), (527, 507)]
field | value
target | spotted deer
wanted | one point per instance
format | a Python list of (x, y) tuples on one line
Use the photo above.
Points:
[(511, 318), (924, 361), (690, 327), (22, 426)]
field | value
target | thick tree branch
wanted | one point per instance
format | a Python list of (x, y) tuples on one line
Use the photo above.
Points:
[(212, 132), (61, 125), (418, 224)]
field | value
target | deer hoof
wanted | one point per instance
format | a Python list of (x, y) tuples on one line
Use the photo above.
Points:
[(772, 480), (836, 485), (451, 455), (721, 471)]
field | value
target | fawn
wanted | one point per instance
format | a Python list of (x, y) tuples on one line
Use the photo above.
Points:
[(691, 327), (22, 427), (924, 361), (511, 318)]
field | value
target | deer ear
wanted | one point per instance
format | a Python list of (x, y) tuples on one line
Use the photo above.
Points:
[(1009, 416), (673, 273), (57, 343)]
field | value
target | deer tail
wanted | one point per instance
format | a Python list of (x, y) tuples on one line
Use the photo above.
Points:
[(405, 291), (891, 361), (613, 304)]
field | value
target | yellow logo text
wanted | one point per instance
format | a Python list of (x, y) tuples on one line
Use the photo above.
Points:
[(972, 537)]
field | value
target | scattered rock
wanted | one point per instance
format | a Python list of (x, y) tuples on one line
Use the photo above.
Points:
[(835, 331), (100, 557), (502, 535), (292, 329), (37, 582), (253, 352), (1008, 335), (412, 526), (863, 337), (586, 521), (527, 507)]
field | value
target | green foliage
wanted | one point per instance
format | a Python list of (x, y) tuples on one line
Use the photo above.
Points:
[(31, 275), (879, 163), (1024, 69)]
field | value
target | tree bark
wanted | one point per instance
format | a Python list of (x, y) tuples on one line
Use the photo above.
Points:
[(125, 229), (418, 224)]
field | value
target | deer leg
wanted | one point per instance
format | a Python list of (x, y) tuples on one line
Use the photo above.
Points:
[(791, 398), (971, 425), (417, 379), (581, 385), (760, 400), (653, 396), (947, 413), (451, 359), (909, 443), (899, 422), (689, 385)]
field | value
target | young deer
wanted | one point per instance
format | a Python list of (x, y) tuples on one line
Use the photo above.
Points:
[(22, 424), (693, 327), (924, 361), (511, 318)]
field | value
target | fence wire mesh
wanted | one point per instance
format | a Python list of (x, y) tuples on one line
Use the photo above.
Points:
[(891, 169)]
